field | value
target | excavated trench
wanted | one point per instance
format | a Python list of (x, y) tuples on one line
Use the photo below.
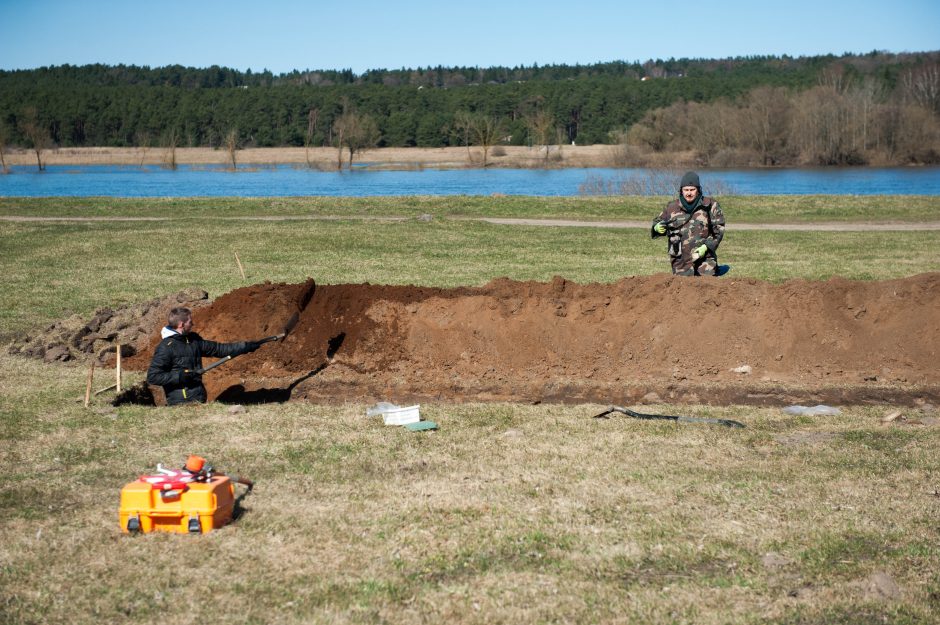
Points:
[(642, 339)]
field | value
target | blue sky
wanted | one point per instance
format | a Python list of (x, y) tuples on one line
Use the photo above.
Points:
[(282, 35)]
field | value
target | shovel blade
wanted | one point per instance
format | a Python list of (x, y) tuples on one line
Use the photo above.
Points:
[(291, 324)]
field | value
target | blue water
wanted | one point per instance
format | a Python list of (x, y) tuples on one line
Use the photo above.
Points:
[(287, 180)]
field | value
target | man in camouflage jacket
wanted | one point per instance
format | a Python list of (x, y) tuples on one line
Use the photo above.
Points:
[(695, 226)]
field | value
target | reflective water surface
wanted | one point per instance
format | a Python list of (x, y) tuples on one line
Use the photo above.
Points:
[(288, 180)]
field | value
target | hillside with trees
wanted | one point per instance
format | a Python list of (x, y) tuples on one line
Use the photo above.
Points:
[(877, 108)]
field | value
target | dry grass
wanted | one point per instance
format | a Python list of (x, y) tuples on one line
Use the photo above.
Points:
[(508, 514), (325, 158), (52, 270)]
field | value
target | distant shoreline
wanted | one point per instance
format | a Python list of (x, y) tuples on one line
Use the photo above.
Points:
[(326, 158), (402, 159)]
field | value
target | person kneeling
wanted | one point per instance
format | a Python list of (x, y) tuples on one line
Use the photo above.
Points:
[(695, 226)]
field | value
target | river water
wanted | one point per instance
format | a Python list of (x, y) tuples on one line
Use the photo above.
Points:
[(287, 180)]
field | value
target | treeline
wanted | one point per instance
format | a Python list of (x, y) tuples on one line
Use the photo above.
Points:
[(657, 105), (841, 121), (216, 77)]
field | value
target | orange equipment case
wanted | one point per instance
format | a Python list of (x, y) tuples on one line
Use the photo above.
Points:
[(196, 507)]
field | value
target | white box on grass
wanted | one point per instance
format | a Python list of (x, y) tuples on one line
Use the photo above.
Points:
[(401, 416)]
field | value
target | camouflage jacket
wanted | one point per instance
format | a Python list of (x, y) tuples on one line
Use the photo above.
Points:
[(687, 231)]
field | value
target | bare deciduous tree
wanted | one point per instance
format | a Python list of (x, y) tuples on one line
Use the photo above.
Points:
[(663, 128), (541, 125), (364, 135), (839, 122), (36, 133), (142, 141), (4, 137), (833, 77), (462, 123), (356, 133), (866, 97), (231, 145), (825, 129), (313, 116), (765, 120), (171, 141), (482, 130), (338, 136), (921, 85), (909, 133)]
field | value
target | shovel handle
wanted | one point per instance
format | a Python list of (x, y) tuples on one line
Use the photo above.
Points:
[(244, 481), (221, 361)]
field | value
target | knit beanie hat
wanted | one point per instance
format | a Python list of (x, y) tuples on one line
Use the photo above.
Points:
[(690, 179)]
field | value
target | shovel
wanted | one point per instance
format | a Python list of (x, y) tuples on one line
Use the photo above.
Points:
[(639, 415), (277, 337)]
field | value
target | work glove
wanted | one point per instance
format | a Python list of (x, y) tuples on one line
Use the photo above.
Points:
[(190, 378), (660, 227), (700, 251)]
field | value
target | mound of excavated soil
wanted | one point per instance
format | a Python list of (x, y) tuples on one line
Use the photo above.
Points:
[(76, 338), (641, 339)]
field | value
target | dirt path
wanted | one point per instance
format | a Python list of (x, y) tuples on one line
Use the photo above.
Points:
[(510, 221), (826, 226)]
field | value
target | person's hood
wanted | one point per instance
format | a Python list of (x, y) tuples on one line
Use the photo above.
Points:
[(167, 332)]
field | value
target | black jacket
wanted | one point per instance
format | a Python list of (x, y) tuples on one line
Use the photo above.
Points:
[(179, 352)]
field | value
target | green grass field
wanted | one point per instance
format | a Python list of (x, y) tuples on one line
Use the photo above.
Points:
[(509, 513), (740, 209)]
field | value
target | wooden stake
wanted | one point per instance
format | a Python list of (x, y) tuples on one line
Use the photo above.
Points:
[(240, 269), (117, 368), (91, 378), (102, 390)]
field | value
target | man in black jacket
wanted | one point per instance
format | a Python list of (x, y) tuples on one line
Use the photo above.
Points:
[(178, 358)]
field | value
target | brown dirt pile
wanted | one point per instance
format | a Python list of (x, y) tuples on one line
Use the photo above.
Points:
[(131, 327), (639, 340)]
